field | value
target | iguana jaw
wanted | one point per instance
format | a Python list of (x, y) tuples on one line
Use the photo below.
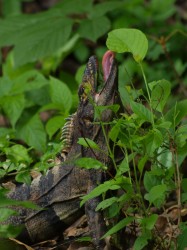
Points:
[(90, 80)]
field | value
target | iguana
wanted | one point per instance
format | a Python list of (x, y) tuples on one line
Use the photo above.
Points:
[(59, 191)]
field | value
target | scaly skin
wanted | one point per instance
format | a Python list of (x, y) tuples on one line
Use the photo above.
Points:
[(59, 191)]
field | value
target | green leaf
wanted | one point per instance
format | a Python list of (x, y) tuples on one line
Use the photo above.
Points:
[(5, 86), (6, 133), (29, 80), (84, 239), (149, 222), (141, 242), (165, 158), (2, 173), (42, 39), (159, 94), (102, 188), (18, 153), (181, 136), (86, 142), (39, 97), (33, 133), (79, 73), (182, 240), (106, 203), (24, 177), (89, 163), (184, 184), (54, 124), (60, 94), (177, 113), (13, 107), (141, 163), (82, 6), (150, 180), (123, 167), (102, 8), (5, 213), (141, 111), (9, 231), (94, 28), (184, 197), (157, 195), (128, 40), (152, 141), (113, 133), (11, 7), (8, 202), (40, 35), (119, 226)]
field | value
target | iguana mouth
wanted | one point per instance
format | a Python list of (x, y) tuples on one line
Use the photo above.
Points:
[(91, 75), (107, 62)]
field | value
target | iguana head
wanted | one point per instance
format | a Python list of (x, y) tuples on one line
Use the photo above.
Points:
[(94, 91)]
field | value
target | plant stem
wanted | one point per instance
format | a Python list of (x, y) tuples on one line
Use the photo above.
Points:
[(148, 92), (108, 146)]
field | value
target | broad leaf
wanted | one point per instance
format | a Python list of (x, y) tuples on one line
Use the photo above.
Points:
[(5, 86), (32, 132), (159, 94), (149, 222), (152, 141), (141, 242), (157, 195), (141, 111), (24, 177), (60, 94), (13, 107), (40, 35), (177, 113), (27, 81), (102, 8), (150, 180), (128, 40), (94, 28), (82, 6), (54, 124)]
